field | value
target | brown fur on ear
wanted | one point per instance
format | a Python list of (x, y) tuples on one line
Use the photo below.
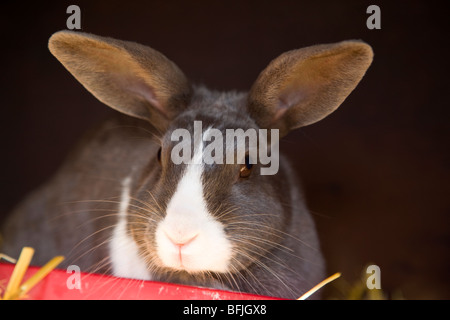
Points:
[(129, 77), (303, 86)]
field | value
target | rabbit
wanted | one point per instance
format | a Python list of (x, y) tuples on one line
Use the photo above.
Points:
[(119, 205)]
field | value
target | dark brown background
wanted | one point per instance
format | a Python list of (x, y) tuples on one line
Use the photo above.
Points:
[(375, 172)]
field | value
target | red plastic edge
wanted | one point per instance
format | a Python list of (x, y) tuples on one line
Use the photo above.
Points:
[(57, 286)]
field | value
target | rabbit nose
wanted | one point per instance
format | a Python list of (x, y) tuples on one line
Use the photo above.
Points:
[(181, 240)]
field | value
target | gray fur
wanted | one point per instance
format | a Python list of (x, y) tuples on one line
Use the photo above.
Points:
[(74, 213)]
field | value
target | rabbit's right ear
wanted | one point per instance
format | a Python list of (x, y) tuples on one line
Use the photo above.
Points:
[(129, 77), (303, 86)]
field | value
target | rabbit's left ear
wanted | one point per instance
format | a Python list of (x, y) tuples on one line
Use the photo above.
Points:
[(303, 86), (131, 78)]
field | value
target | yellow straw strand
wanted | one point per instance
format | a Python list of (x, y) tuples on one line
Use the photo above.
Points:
[(39, 275), (7, 258), (320, 285), (19, 271)]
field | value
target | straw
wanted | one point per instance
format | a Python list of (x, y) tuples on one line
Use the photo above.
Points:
[(7, 258), (320, 285), (19, 271), (39, 275)]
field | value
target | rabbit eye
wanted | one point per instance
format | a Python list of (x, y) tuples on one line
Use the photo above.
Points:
[(246, 168), (159, 155)]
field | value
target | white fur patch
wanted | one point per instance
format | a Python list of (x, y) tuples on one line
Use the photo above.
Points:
[(124, 255), (189, 238)]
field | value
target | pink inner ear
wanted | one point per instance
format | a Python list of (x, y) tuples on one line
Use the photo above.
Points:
[(138, 87), (289, 98), (281, 110), (147, 93)]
